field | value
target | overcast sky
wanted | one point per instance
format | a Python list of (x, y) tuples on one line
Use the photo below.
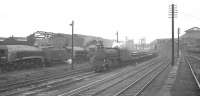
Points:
[(132, 18)]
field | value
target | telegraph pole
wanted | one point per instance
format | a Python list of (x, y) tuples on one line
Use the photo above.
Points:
[(172, 13), (72, 55), (178, 43), (117, 37), (172, 34)]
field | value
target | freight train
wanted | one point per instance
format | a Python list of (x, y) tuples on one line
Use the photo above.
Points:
[(106, 58), (18, 57)]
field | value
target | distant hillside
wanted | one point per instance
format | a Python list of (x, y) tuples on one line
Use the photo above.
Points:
[(84, 40), (60, 40)]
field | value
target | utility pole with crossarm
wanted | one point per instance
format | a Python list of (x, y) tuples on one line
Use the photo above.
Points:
[(173, 14)]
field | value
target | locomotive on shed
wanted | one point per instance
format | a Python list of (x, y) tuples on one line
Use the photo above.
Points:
[(13, 57), (105, 58), (19, 57)]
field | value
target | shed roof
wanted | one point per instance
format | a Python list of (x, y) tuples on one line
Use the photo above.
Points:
[(192, 33), (193, 29)]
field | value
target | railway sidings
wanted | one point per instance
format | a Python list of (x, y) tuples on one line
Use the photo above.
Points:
[(116, 82), (130, 80)]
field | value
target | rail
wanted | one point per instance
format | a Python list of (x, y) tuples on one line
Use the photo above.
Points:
[(191, 69), (99, 82), (27, 82), (139, 91)]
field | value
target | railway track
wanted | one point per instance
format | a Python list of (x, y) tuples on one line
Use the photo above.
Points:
[(193, 62), (137, 87), (58, 85), (53, 84), (31, 81), (97, 88), (68, 83), (109, 89), (47, 85)]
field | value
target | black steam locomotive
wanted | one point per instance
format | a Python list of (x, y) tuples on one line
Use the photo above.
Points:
[(105, 58), (17, 57)]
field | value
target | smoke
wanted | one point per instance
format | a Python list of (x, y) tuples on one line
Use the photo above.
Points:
[(117, 44)]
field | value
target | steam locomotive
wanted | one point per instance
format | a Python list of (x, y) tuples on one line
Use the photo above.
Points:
[(106, 58), (18, 57)]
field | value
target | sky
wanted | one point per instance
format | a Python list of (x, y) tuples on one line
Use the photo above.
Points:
[(135, 19)]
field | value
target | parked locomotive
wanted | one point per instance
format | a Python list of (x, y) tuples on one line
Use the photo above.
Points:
[(17, 57), (13, 57), (105, 58)]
